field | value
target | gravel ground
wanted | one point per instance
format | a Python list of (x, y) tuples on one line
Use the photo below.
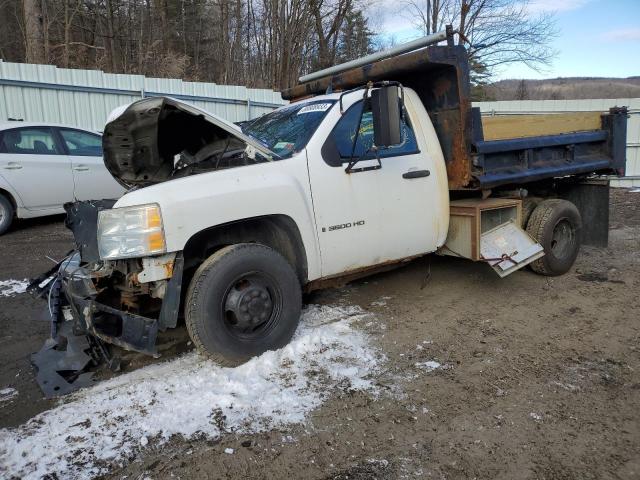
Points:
[(539, 377)]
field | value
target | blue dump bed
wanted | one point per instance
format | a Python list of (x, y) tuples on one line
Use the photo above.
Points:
[(530, 159)]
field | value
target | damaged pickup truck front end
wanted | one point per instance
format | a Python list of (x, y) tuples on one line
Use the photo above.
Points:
[(120, 285), (124, 302)]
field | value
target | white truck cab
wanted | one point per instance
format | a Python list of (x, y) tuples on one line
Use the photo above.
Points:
[(346, 221)]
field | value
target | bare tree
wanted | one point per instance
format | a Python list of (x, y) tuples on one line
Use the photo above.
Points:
[(34, 39), (522, 93), (497, 32)]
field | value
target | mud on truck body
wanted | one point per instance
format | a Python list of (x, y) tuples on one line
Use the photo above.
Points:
[(367, 168)]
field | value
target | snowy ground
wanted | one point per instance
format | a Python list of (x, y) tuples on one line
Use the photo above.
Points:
[(9, 288), (110, 423)]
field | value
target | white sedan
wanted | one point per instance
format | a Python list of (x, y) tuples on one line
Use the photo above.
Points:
[(44, 166)]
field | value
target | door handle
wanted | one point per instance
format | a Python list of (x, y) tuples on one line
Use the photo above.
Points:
[(81, 168), (13, 166), (416, 174)]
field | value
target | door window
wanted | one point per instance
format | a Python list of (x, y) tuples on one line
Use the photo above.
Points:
[(345, 130), (82, 143), (32, 141)]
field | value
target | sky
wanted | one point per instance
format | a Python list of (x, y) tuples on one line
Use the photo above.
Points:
[(596, 38)]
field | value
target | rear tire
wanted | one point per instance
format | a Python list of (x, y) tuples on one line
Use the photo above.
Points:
[(243, 300), (6, 214), (556, 225), (528, 206)]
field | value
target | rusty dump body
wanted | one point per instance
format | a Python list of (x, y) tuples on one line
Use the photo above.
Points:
[(440, 76)]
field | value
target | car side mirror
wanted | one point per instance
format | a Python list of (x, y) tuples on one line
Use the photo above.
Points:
[(386, 111)]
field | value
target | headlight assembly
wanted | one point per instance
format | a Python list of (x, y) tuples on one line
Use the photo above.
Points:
[(130, 232)]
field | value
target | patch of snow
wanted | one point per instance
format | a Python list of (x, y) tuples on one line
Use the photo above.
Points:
[(7, 394), (229, 451), (428, 366), (9, 288), (536, 416), (191, 396)]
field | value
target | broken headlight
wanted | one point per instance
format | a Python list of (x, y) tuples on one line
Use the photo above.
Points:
[(130, 232)]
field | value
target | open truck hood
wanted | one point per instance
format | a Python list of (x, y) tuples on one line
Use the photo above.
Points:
[(142, 141)]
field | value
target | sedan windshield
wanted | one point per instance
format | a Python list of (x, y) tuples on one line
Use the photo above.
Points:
[(287, 130)]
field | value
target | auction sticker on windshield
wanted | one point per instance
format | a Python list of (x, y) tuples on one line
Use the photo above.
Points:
[(316, 107)]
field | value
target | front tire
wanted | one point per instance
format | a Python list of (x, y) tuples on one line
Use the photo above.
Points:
[(243, 300), (556, 225), (6, 214)]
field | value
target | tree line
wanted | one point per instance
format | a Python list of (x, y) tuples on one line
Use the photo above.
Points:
[(257, 43)]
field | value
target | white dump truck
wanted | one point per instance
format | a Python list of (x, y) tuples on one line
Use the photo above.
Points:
[(369, 166)]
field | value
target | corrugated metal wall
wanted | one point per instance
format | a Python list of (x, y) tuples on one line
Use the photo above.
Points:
[(44, 93), (85, 98), (592, 105)]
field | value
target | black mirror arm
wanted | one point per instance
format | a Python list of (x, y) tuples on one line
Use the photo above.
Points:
[(352, 161)]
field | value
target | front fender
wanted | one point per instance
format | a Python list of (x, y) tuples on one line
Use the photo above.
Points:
[(198, 202)]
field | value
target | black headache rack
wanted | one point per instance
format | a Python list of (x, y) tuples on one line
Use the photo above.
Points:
[(439, 74)]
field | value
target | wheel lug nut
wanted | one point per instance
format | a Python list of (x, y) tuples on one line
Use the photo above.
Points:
[(264, 296)]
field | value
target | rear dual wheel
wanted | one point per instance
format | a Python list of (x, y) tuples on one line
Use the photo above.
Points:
[(556, 225), (243, 300)]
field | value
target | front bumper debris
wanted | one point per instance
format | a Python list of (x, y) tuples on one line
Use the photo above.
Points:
[(94, 304), (82, 327)]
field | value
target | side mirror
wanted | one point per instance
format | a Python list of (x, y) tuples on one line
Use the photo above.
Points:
[(385, 108)]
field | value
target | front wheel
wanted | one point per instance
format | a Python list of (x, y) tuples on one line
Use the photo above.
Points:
[(243, 300), (6, 214), (556, 225)]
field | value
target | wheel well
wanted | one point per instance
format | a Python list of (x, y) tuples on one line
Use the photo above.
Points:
[(11, 200), (276, 231)]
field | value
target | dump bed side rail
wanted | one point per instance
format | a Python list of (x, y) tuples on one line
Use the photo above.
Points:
[(530, 159)]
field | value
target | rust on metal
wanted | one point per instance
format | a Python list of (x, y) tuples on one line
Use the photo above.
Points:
[(440, 77), (341, 279)]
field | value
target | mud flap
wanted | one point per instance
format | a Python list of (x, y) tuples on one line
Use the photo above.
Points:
[(507, 248)]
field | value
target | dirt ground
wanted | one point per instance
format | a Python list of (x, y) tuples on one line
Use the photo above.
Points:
[(540, 376)]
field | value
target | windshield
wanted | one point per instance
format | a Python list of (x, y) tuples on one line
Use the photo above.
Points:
[(287, 130)]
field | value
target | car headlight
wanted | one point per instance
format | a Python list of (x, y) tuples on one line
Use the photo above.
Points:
[(130, 232)]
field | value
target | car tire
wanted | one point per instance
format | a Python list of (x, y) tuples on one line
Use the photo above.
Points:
[(556, 225), (6, 214), (243, 300)]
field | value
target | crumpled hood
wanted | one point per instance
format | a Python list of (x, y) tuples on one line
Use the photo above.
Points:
[(141, 140)]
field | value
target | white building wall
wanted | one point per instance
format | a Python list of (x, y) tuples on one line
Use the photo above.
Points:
[(44, 93)]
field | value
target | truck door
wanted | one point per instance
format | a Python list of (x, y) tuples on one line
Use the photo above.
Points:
[(376, 216)]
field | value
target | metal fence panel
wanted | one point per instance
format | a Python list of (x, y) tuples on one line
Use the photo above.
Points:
[(44, 93), (632, 178)]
